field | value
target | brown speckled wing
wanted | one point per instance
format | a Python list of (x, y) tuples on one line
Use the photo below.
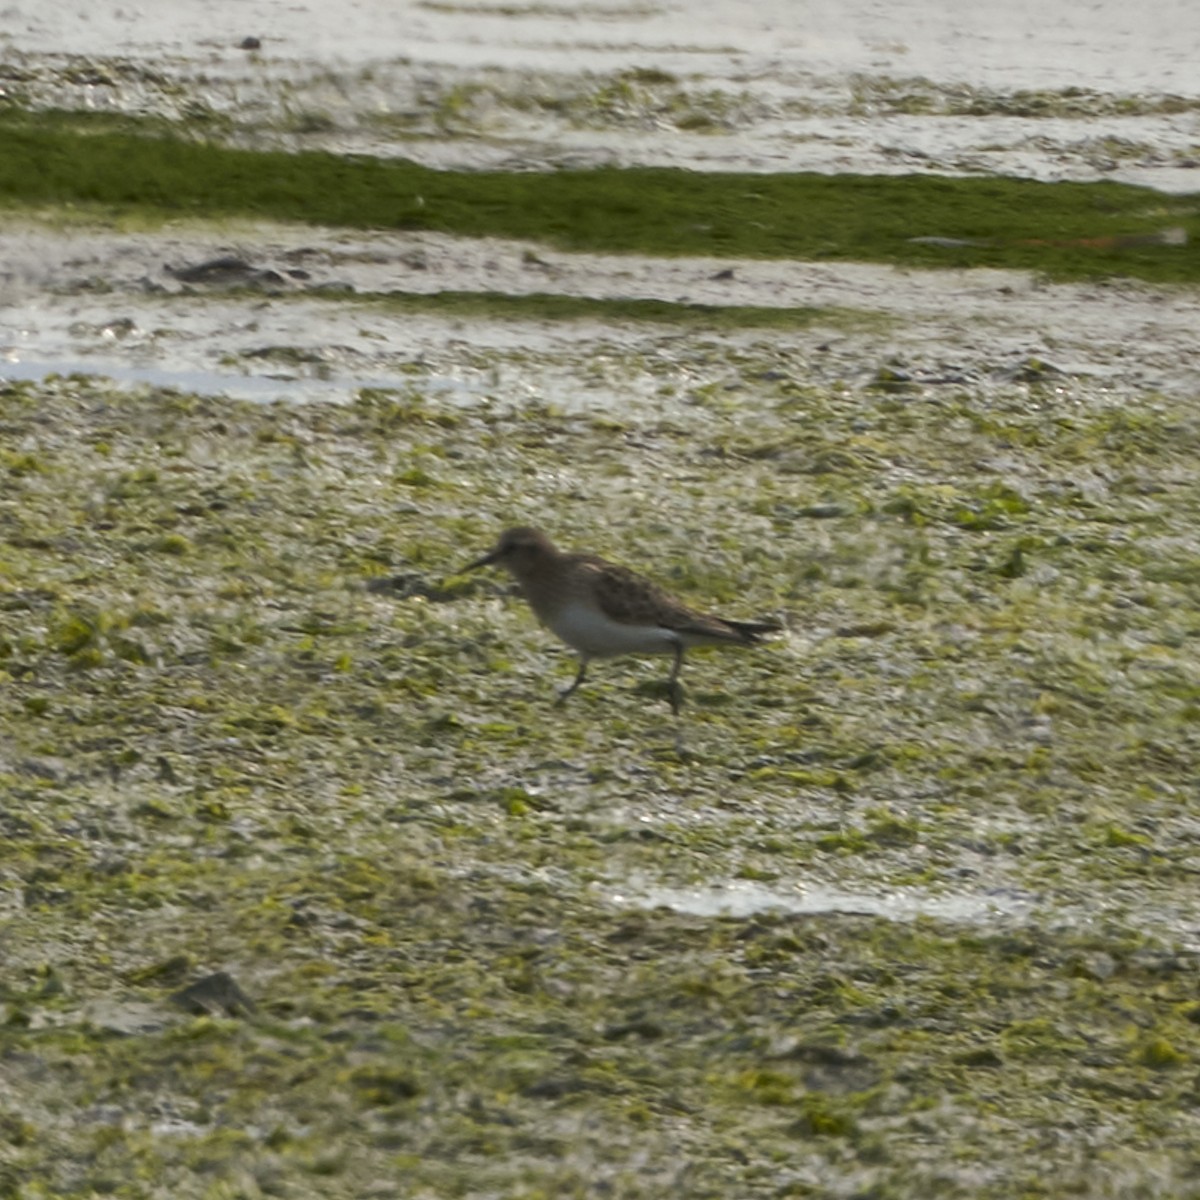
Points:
[(627, 597)]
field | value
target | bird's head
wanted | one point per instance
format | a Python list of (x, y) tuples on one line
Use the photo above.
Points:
[(520, 550)]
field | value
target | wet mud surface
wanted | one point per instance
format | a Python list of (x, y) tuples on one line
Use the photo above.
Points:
[(269, 312)]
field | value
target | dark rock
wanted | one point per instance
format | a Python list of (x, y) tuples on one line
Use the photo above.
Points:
[(226, 269), (216, 995)]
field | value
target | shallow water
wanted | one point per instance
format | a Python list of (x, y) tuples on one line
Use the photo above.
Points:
[(744, 898), (1101, 44), (865, 86)]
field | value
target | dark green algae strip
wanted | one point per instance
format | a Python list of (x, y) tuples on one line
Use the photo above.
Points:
[(151, 168)]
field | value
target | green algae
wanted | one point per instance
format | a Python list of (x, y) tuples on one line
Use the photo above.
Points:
[(334, 769), (926, 97), (550, 306), (1064, 230)]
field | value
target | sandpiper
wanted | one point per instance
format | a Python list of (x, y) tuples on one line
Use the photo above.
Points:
[(602, 610)]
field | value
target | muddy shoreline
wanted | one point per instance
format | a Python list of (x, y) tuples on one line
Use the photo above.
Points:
[(96, 300)]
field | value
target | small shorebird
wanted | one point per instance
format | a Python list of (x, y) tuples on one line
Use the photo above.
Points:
[(602, 610)]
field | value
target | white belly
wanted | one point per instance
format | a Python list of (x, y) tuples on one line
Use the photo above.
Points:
[(586, 629)]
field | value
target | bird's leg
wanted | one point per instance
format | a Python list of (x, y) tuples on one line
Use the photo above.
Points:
[(674, 687), (580, 676)]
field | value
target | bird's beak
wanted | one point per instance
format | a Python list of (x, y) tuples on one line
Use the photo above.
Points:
[(489, 558)]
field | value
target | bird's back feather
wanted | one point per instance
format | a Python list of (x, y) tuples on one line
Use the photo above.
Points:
[(632, 599)]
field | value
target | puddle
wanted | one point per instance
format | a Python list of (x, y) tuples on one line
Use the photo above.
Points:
[(745, 898), (264, 389), (206, 383)]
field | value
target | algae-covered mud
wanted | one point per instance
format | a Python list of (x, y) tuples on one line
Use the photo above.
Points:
[(309, 889), (911, 887)]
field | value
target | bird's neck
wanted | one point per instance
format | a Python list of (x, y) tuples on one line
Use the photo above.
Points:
[(547, 586)]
